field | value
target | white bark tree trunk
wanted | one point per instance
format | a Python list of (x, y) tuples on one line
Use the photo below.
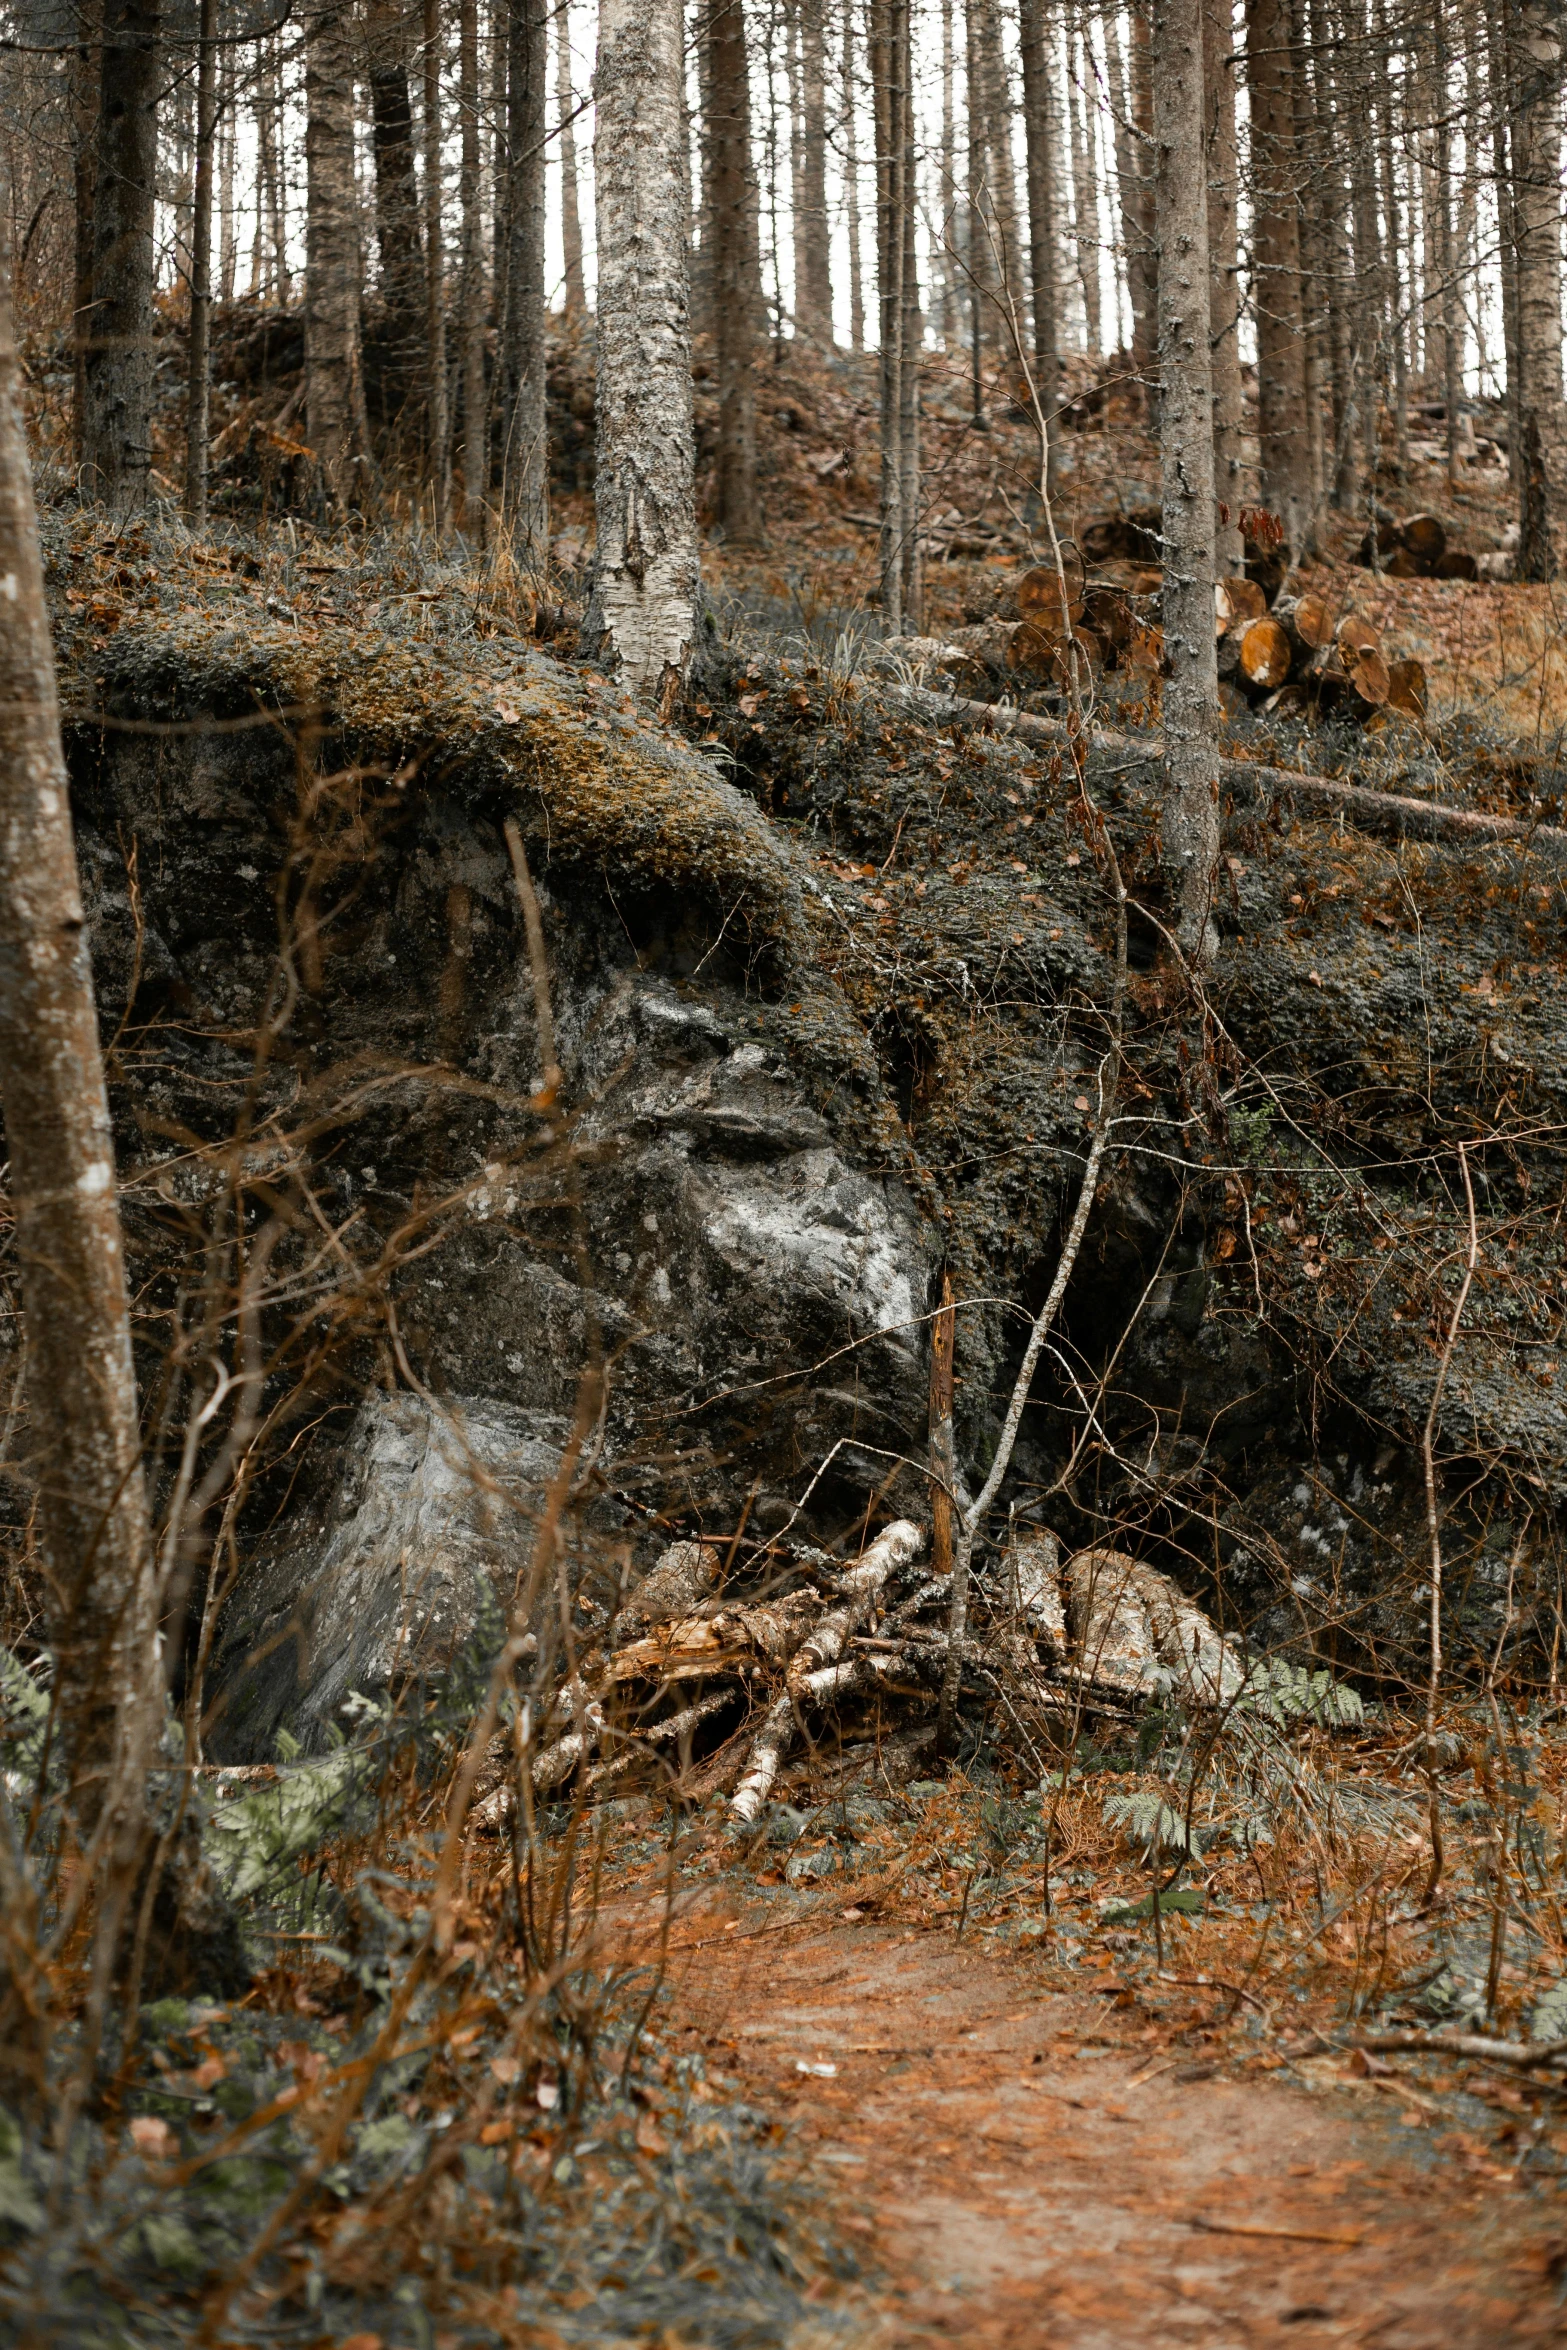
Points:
[(642, 616), (84, 1436), (1190, 824)]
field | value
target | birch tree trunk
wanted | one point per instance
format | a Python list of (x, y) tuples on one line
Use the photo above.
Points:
[(642, 614), (1540, 446), (118, 374), (735, 269), (1190, 822), (81, 1390), (1042, 236), (198, 394), (331, 250), (1218, 27), (950, 312), (1281, 374), (570, 206), (524, 406)]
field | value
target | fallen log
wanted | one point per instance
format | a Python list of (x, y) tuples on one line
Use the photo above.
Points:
[(1526, 2055), (1376, 810)]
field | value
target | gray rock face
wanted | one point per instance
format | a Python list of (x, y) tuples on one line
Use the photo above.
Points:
[(423, 1531)]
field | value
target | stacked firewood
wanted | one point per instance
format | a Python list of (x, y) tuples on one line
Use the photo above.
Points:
[(1415, 548), (702, 1685), (1303, 655)]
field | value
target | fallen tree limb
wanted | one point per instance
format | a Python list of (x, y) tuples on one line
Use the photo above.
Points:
[(1374, 810), (1525, 2055)]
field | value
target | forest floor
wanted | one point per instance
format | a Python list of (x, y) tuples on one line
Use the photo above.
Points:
[(1036, 2167)]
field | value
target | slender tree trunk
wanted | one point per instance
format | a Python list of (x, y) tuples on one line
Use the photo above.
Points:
[(92, 1512), (475, 394), (521, 364), (951, 301), (980, 240), (437, 417), (227, 248), (911, 329), (399, 237), (117, 444), (1281, 374), (1313, 303), (1145, 252), (735, 270), (1086, 192), (331, 250), (1370, 336), (1540, 446), (570, 207), (851, 182), (198, 398), (1336, 214), (86, 86), (642, 615), (1393, 245), (1042, 224), (1128, 180), (887, 50), (1190, 823), (1218, 26), (1005, 227), (1446, 254), (813, 262)]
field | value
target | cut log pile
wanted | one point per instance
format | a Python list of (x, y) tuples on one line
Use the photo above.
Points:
[(714, 1687), (1416, 548), (1302, 655)]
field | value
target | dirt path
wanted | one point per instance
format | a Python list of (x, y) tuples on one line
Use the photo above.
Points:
[(1038, 2177)]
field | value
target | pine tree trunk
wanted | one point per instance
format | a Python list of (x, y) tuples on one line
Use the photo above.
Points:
[(524, 409), (1224, 281), (735, 270), (228, 251), (1006, 227), (1281, 375), (570, 206), (331, 250), (475, 393), (642, 615), (1338, 263), (1393, 246), (1313, 301), (1042, 224), (1540, 448), (1145, 251), (813, 266), (117, 441), (437, 416), (1370, 332), (399, 237), (92, 1512), (1190, 821), (198, 397)]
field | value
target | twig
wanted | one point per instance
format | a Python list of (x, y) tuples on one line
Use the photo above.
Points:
[(1434, 1530), (1526, 2056)]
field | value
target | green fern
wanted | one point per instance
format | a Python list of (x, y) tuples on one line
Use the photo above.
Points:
[(1283, 1693), (1149, 1821)]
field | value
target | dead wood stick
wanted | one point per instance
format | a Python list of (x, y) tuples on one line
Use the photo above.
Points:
[(943, 1456), (861, 1585), (1522, 2054), (1376, 810)]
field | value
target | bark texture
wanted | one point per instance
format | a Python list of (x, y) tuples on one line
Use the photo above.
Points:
[(1224, 283), (524, 442), (1540, 448), (118, 354), (399, 235), (1190, 825), (81, 1388), (812, 255), (199, 374), (642, 616), (735, 270), (475, 392), (331, 251), (1281, 372), (570, 207), (1042, 221)]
